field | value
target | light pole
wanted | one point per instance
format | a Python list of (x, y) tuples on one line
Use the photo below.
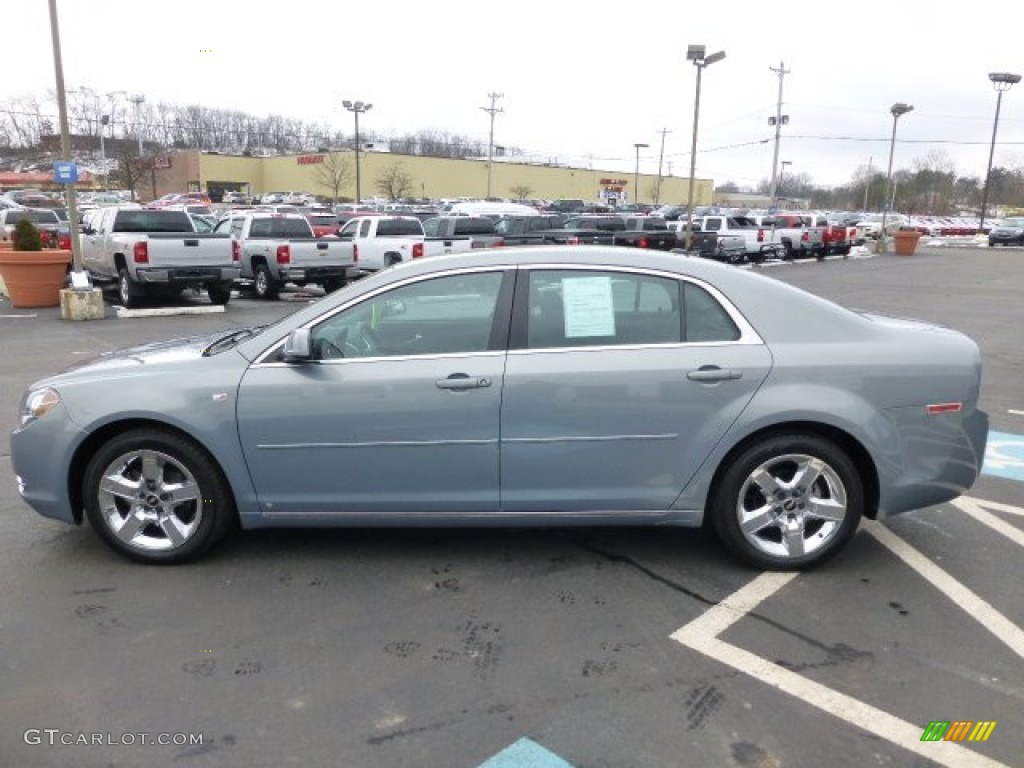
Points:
[(138, 100), (897, 110), (695, 53), (1001, 81), (104, 122), (782, 174), (357, 108), (636, 173)]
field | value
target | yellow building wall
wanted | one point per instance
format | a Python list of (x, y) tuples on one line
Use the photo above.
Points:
[(434, 177)]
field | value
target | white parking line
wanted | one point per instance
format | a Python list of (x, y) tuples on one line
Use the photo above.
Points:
[(980, 610), (702, 633), (982, 515), (1016, 412)]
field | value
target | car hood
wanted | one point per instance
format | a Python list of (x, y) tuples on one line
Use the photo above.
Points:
[(157, 352)]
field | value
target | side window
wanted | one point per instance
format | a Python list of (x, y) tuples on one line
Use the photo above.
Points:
[(236, 227), (349, 230), (706, 319), (592, 308), (430, 227), (364, 229), (442, 315), (223, 226), (712, 225)]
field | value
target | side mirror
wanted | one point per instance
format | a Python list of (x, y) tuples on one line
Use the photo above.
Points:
[(298, 347)]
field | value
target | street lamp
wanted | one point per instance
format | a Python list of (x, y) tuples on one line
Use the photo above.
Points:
[(897, 110), (1001, 81), (357, 108), (695, 53), (636, 173), (782, 173), (104, 122)]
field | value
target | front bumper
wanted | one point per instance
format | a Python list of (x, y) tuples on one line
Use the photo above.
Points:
[(41, 454)]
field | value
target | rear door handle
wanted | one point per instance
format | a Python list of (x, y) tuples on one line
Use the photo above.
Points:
[(712, 373), (463, 381)]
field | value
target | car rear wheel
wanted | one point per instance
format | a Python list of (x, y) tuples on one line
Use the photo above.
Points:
[(156, 497), (788, 502), (332, 285), (219, 293), (130, 292), (263, 283)]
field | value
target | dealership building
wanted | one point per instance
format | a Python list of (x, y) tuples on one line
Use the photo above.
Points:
[(427, 177)]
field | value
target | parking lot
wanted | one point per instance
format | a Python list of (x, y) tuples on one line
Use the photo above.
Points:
[(588, 648)]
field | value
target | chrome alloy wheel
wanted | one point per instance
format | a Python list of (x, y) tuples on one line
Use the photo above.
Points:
[(150, 501), (791, 505)]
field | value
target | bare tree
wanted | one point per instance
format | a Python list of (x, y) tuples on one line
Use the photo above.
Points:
[(393, 182), (131, 168), (521, 191), (334, 173)]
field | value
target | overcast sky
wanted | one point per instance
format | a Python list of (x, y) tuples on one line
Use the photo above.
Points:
[(582, 81)]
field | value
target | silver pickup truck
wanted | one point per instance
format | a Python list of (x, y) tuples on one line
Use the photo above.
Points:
[(280, 248), (155, 253)]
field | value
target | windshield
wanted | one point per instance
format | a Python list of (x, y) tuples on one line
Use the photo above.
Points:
[(153, 221)]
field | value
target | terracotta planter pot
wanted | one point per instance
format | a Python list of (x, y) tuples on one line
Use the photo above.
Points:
[(906, 242), (34, 278)]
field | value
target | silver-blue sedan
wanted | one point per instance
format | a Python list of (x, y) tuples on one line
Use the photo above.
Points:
[(539, 386)]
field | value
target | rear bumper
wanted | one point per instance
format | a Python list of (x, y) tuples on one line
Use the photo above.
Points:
[(188, 275), (318, 274)]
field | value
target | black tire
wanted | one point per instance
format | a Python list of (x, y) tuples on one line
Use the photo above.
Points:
[(219, 293), (332, 285), (136, 522), (130, 292), (836, 491), (787, 251), (263, 283)]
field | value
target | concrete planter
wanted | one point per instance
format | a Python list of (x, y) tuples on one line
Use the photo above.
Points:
[(34, 278)]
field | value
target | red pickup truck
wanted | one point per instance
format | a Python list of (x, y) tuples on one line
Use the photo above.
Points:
[(835, 239)]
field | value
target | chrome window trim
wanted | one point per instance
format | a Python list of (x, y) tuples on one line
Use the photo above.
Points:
[(261, 359)]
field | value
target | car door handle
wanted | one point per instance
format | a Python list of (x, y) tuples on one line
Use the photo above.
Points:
[(713, 373), (463, 381)]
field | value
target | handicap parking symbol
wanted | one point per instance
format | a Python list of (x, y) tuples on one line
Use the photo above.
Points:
[(1004, 456)]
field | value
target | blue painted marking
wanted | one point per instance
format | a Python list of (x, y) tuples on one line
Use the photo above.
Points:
[(1004, 456), (525, 754)]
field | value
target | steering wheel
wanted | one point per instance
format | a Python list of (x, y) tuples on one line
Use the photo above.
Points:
[(366, 340)]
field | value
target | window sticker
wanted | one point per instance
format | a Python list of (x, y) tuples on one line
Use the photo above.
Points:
[(588, 306)]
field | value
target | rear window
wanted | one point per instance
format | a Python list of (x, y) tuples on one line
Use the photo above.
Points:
[(39, 217), (152, 221), (395, 227), (274, 226), (482, 226)]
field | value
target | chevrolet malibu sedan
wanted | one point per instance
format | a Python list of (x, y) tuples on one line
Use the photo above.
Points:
[(526, 386)]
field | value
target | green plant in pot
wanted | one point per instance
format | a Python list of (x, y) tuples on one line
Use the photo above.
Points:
[(26, 236)]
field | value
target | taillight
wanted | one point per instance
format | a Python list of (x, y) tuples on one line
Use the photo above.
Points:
[(65, 242), (355, 253), (140, 253), (284, 254), (572, 240), (417, 250), (236, 251), (805, 236), (760, 235), (498, 244), (642, 243)]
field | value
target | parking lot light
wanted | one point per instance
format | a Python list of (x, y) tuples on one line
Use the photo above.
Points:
[(898, 109), (1001, 81), (357, 108), (636, 173), (696, 54)]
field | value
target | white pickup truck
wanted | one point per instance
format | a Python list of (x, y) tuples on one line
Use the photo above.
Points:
[(382, 241), (280, 248), (759, 242), (156, 253)]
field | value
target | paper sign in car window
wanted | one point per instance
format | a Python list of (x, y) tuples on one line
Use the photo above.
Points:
[(588, 307)]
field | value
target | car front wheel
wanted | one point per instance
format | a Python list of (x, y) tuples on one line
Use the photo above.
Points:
[(156, 497), (130, 292), (264, 285), (788, 502)]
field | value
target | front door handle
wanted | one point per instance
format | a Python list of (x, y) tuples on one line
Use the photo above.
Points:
[(712, 373), (463, 381)]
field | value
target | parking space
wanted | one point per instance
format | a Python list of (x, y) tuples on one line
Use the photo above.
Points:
[(581, 648)]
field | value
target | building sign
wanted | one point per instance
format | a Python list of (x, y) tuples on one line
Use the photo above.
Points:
[(309, 159), (162, 162), (613, 182)]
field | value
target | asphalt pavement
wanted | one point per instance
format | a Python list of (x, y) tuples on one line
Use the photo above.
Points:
[(587, 648)]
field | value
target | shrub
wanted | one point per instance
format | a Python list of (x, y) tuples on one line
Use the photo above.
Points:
[(26, 236)]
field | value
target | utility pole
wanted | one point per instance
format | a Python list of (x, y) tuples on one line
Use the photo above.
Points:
[(137, 100), (661, 159), (867, 184), (490, 142), (777, 121)]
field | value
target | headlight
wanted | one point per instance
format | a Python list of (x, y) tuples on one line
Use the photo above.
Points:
[(38, 403)]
